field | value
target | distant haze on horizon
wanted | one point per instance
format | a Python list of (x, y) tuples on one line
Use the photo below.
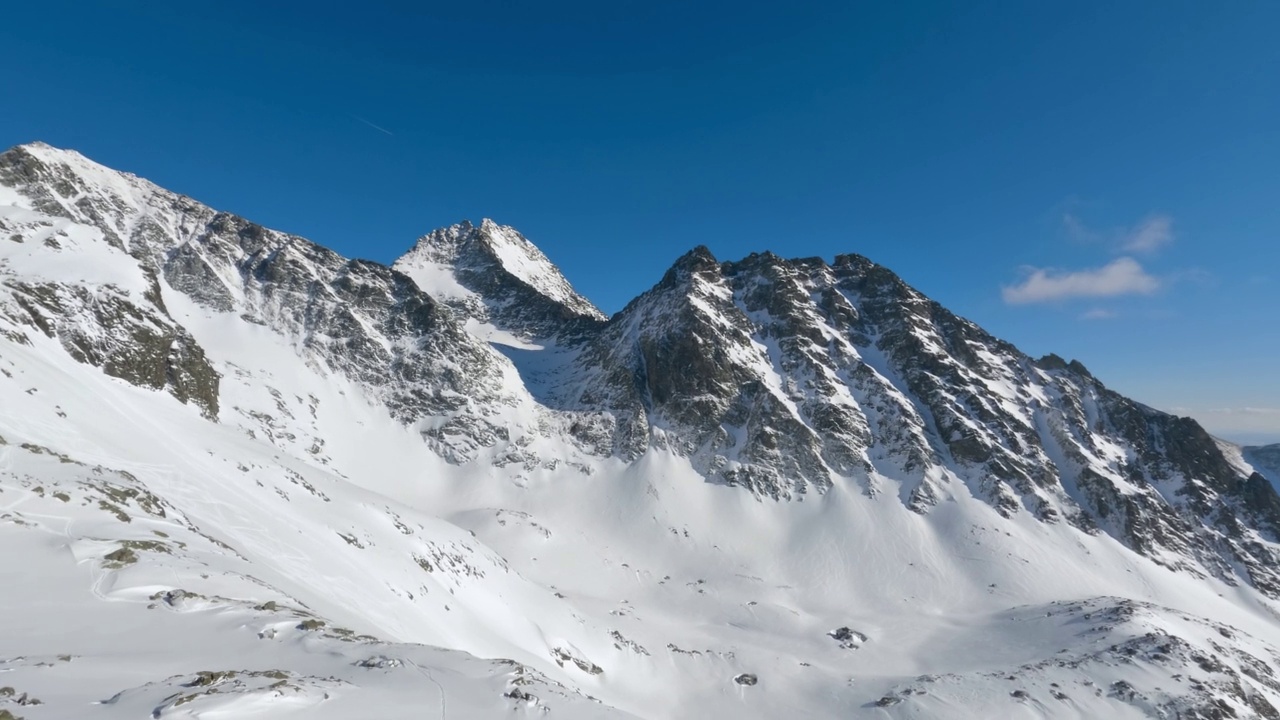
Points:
[(1091, 180)]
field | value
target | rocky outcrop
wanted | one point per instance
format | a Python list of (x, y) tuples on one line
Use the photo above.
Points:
[(492, 274), (125, 331)]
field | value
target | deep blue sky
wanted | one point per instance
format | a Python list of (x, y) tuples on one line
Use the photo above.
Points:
[(962, 144)]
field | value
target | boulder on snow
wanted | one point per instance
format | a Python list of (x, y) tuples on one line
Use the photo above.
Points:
[(848, 638)]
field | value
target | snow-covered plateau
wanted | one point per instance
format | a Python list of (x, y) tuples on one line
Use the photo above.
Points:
[(242, 476)]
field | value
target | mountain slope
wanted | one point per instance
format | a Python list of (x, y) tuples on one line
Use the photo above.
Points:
[(259, 479), (778, 375)]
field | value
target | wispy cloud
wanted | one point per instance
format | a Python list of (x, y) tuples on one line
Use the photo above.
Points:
[(1122, 276), (379, 128), (1245, 411), (1146, 237), (1098, 314)]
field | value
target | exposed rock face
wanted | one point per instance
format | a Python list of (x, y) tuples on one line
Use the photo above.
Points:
[(492, 274), (780, 375), (360, 319), (121, 324), (135, 342), (783, 377), (685, 367)]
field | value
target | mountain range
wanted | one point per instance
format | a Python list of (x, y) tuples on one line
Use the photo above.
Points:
[(244, 476)]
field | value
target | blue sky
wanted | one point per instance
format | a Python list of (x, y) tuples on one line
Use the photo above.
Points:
[(1100, 180)]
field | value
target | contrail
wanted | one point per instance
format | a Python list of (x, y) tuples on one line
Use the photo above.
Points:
[(375, 127)]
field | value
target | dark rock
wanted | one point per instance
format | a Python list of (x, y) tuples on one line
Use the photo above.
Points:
[(848, 638)]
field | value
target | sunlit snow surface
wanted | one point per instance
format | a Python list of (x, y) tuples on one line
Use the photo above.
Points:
[(307, 556)]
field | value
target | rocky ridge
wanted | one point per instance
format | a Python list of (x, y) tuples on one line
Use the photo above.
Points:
[(780, 376)]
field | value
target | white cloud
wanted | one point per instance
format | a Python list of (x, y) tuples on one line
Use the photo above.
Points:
[(1148, 236), (1245, 411), (1122, 276), (1098, 314)]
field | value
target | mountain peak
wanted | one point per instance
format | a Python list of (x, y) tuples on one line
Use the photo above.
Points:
[(699, 256), (496, 276), (73, 160), (55, 179), (40, 146), (697, 260)]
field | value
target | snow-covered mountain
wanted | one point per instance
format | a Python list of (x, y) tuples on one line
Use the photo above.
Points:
[(499, 281), (243, 476)]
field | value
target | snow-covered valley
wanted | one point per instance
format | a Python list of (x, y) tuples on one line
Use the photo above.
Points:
[(241, 476)]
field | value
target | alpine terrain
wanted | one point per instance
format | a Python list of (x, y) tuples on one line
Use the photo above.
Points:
[(243, 476)]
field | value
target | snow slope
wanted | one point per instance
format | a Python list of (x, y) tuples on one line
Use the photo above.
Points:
[(422, 533)]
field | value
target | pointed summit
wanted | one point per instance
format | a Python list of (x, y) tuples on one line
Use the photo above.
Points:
[(44, 162), (699, 257), (493, 275)]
